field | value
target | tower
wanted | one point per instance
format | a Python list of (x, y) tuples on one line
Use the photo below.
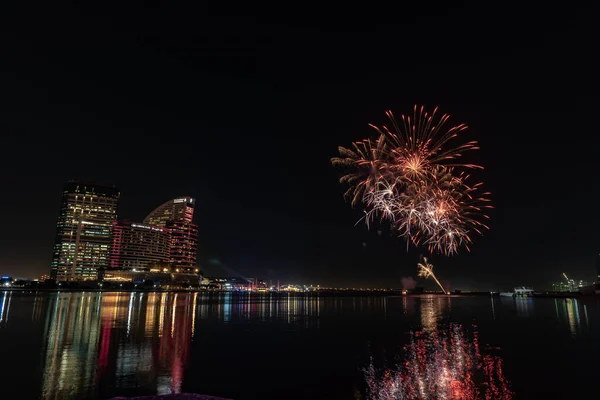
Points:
[(83, 231), (177, 216)]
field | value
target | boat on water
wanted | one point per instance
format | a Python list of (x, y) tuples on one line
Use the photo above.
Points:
[(524, 291), (519, 291)]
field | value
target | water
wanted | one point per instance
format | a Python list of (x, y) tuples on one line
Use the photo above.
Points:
[(101, 345)]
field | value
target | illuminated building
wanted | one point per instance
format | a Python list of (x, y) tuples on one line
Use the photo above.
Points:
[(569, 285), (165, 277), (184, 244), (83, 231), (6, 281), (228, 284), (138, 246), (180, 210), (177, 216), (562, 287)]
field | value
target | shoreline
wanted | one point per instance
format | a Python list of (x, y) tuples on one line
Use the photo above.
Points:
[(320, 293)]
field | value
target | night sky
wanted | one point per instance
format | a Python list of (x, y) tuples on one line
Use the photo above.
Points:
[(243, 107)]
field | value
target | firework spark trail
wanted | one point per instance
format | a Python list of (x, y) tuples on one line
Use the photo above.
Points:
[(426, 271), (412, 176)]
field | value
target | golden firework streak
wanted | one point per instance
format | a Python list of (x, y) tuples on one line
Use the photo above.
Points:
[(426, 270)]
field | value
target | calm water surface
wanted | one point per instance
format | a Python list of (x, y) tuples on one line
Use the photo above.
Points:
[(101, 345)]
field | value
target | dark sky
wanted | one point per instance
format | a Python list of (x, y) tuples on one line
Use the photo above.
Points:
[(242, 108)]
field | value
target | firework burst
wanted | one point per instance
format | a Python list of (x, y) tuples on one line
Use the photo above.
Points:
[(412, 175)]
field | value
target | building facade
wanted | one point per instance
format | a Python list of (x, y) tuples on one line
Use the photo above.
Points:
[(184, 245), (177, 216), (149, 276), (83, 231), (139, 246), (176, 210)]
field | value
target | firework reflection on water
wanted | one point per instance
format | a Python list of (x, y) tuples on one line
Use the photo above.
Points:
[(443, 363)]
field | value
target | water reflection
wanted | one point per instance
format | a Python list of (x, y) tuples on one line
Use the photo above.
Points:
[(97, 344), (441, 361), (118, 340), (5, 299), (72, 334), (568, 310), (102, 345), (38, 308), (573, 315), (524, 306), (431, 311)]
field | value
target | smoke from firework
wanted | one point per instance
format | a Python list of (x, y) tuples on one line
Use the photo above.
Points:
[(412, 175), (408, 283)]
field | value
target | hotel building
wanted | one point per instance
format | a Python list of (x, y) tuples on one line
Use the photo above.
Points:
[(177, 215), (83, 231), (139, 246)]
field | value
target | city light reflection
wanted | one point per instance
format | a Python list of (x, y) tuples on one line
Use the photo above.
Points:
[(5, 307), (98, 342), (568, 310), (72, 337), (108, 344), (572, 311), (87, 345), (524, 306)]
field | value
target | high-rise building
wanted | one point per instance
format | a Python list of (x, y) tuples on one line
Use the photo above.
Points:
[(139, 246), (83, 231), (184, 244), (177, 216), (176, 210)]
